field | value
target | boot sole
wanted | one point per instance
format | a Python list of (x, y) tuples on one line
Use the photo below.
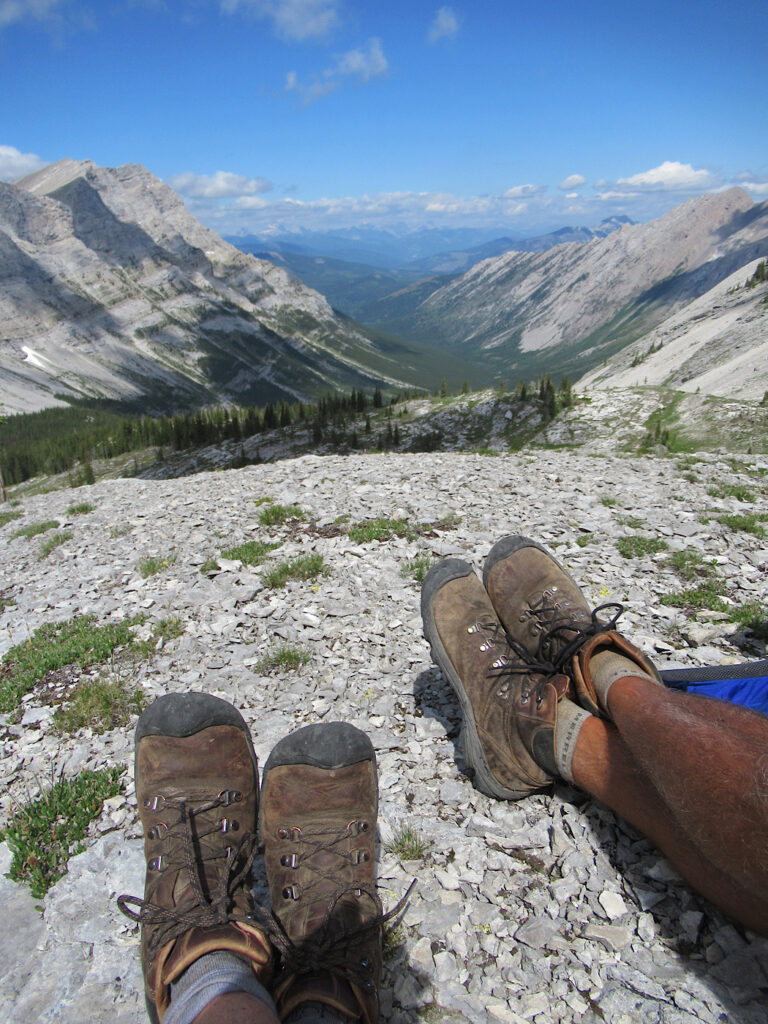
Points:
[(484, 780)]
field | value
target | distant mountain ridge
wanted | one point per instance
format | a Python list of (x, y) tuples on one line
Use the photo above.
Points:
[(569, 308), (110, 288), (375, 293)]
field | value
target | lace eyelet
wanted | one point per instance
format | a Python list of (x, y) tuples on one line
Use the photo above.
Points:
[(291, 892), (229, 825), (155, 803), (282, 833), (360, 856), (229, 796), (158, 831), (155, 864), (365, 963), (290, 860)]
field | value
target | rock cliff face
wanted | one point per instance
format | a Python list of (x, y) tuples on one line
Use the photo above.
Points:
[(715, 345), (110, 287), (566, 309)]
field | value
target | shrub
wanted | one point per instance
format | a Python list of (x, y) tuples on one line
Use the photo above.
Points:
[(35, 529), (8, 517), (154, 564), (303, 567), (55, 539), (44, 833), (408, 844), (635, 545), (81, 509), (749, 522), (252, 552), (100, 705), (273, 515), (286, 656), (380, 528), (77, 641), (417, 568)]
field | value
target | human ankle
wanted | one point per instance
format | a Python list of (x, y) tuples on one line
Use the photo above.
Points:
[(608, 667)]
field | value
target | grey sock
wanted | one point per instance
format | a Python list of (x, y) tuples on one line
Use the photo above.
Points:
[(214, 974), (607, 666), (570, 718), (316, 1013)]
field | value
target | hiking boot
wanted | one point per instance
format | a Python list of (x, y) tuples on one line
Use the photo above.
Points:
[(318, 826), (197, 791), (547, 617), (510, 713)]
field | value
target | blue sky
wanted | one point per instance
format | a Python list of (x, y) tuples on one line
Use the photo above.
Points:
[(271, 114)]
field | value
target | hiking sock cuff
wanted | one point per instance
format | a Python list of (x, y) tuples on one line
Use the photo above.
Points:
[(607, 666), (570, 719), (215, 974)]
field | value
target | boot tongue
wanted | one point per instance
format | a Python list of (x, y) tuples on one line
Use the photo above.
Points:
[(184, 892)]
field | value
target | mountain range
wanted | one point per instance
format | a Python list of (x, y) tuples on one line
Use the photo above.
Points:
[(111, 289), (566, 310), (338, 265)]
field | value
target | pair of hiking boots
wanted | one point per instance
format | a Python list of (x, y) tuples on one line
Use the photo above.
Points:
[(511, 648)]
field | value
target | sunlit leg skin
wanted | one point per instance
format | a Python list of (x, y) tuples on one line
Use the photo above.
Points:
[(692, 775), (236, 1008)]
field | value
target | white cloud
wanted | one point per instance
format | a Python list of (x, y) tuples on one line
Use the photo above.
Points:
[(360, 65), (614, 195), (524, 191), (444, 25), (385, 207), (292, 19), (16, 10), (760, 188), (221, 185), (571, 182), (14, 165), (669, 176)]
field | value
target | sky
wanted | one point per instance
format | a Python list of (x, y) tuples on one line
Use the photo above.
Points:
[(271, 115)]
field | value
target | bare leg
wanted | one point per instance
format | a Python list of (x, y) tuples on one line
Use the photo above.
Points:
[(236, 1008), (692, 775)]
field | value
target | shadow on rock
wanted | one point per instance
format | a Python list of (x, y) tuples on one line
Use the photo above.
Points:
[(730, 962)]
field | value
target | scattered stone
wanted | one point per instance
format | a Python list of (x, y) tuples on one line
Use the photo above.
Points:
[(544, 910)]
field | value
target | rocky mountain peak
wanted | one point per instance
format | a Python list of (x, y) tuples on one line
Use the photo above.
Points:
[(112, 288)]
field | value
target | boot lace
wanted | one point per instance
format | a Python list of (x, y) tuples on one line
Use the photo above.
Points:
[(334, 946), (558, 641), (209, 907)]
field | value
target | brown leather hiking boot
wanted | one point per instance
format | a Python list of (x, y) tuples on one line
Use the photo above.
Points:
[(197, 791), (318, 826), (547, 618), (510, 713)]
